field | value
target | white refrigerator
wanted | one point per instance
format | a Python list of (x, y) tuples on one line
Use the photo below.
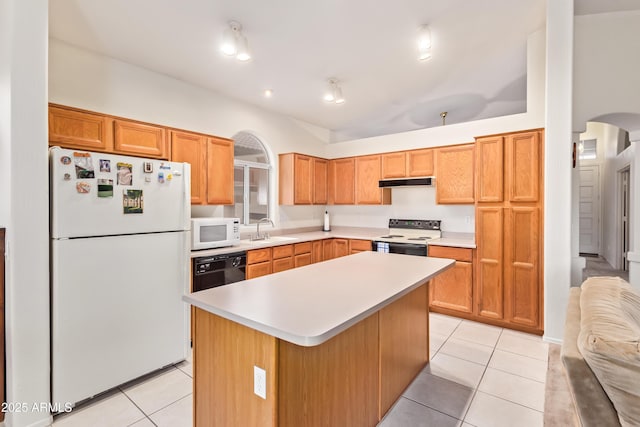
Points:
[(119, 267)]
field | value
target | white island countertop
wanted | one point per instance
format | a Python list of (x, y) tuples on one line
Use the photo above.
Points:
[(309, 305)]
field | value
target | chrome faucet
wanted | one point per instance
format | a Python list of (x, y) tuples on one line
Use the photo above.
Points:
[(264, 236)]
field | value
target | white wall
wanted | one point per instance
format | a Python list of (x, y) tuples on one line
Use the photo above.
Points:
[(606, 64), (558, 168), (5, 111), (26, 195)]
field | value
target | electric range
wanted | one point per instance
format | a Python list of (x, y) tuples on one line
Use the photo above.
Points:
[(408, 236)]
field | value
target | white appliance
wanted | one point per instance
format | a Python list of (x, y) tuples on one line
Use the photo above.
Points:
[(408, 236), (119, 268), (208, 233)]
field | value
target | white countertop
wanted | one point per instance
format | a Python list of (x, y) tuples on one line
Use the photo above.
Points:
[(309, 305), (461, 240)]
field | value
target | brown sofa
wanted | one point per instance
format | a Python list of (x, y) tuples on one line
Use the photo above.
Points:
[(601, 352)]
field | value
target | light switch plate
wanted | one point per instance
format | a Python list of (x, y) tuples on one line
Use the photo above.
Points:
[(260, 382)]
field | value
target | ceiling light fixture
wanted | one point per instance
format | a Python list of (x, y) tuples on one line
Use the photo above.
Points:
[(268, 93), (424, 43), (234, 43), (334, 92)]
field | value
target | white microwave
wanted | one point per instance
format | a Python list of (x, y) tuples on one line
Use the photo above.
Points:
[(208, 233)]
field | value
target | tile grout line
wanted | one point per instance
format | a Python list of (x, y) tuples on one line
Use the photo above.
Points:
[(134, 404), (476, 389), (429, 407)]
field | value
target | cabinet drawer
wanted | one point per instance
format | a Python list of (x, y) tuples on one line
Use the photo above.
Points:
[(282, 251), (302, 259), (360, 245), (259, 269), (302, 248), (459, 254), (282, 264), (258, 255)]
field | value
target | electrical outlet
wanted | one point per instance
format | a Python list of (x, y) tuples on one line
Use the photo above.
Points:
[(260, 382), (467, 219)]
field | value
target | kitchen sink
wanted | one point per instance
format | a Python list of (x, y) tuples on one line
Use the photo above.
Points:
[(271, 239)]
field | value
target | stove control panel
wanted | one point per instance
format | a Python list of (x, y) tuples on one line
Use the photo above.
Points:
[(415, 224)]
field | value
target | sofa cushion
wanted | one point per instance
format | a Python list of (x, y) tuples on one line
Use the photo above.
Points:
[(609, 340)]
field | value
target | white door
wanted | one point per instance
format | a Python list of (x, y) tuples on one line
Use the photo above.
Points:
[(590, 209)]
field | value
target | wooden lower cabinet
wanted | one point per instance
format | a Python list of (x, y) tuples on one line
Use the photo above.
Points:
[(258, 269), (340, 247), (453, 289), (350, 380), (282, 258), (489, 283), (317, 254), (356, 245)]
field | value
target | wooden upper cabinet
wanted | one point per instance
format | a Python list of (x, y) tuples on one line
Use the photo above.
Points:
[(76, 129), (454, 182), (394, 165), (342, 173), (489, 169), (139, 139), (303, 180), (192, 148), (219, 171), (523, 166), (420, 162), (320, 183), (368, 170)]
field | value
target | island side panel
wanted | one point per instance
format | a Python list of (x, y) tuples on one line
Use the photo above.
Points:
[(404, 344), (224, 355), (334, 383)]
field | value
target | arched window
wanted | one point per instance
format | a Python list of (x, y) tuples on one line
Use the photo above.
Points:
[(252, 178)]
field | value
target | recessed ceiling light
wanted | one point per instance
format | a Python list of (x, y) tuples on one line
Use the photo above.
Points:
[(424, 43), (268, 93)]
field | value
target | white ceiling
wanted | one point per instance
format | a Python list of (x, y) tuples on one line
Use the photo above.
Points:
[(478, 68)]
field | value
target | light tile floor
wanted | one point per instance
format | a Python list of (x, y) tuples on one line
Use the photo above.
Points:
[(479, 376)]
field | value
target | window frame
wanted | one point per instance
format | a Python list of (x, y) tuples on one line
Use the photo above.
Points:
[(246, 196)]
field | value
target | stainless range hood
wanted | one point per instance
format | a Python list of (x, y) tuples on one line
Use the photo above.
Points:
[(426, 181)]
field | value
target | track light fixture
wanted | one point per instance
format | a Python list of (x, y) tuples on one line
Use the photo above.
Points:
[(234, 43), (424, 43), (334, 92)]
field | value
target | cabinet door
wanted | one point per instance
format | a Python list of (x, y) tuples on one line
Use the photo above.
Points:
[(367, 176), (303, 180), (394, 165), (75, 129), (328, 249), (420, 162), (302, 259), (139, 139), (320, 185), (489, 169), (302, 248), (219, 171), (521, 278), (453, 289), (454, 183), (356, 245), (317, 253), (342, 174), (523, 166), (259, 269), (192, 148), (489, 235), (340, 248)]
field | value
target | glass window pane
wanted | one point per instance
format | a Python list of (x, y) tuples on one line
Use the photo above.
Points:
[(247, 147), (258, 194), (588, 149), (237, 209)]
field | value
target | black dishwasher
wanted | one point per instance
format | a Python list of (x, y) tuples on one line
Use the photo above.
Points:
[(217, 270)]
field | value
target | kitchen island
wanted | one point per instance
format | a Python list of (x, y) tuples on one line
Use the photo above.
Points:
[(337, 341)]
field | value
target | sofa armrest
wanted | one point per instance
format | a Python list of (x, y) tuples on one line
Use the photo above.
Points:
[(592, 403)]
